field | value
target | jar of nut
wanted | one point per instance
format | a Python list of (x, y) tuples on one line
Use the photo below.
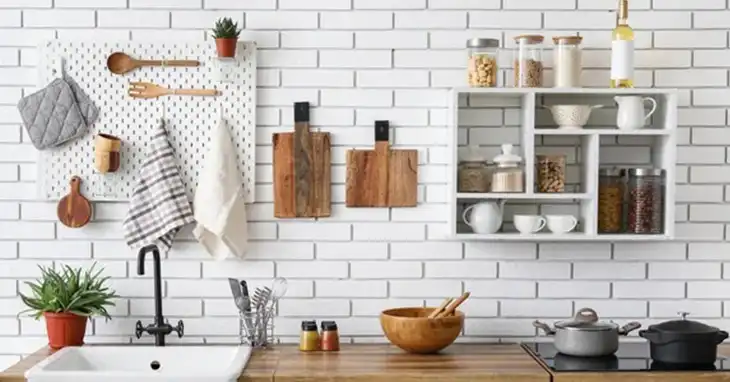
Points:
[(646, 201), (611, 189), (482, 64), (550, 173), (528, 61), (509, 176)]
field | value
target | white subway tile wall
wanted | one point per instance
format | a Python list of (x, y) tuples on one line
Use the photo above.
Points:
[(358, 61)]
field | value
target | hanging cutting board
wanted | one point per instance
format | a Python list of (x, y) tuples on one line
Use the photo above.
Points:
[(382, 177), (74, 210), (302, 170)]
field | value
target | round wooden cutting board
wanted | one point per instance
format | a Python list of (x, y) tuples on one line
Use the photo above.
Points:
[(74, 210)]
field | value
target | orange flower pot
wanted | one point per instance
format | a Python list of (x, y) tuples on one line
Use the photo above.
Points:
[(226, 47), (65, 329)]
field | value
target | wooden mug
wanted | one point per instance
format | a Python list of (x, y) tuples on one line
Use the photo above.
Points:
[(107, 157)]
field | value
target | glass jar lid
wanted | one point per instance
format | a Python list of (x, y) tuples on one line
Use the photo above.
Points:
[(507, 158), (611, 172), (645, 172), (567, 40), (482, 43), (530, 38)]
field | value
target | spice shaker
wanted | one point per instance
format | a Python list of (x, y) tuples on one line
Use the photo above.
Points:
[(482, 65), (509, 176), (528, 61), (330, 340), (309, 338), (473, 171), (567, 61)]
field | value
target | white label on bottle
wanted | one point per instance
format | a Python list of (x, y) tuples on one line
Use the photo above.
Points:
[(622, 60)]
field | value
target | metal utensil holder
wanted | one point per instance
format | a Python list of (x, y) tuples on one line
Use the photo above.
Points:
[(257, 328)]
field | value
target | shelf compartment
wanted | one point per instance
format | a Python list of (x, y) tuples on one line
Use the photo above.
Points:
[(609, 132), (550, 237), (524, 196)]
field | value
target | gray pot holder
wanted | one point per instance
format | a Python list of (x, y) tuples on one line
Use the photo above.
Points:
[(58, 113)]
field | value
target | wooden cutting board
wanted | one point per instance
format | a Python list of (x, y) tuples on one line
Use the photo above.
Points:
[(382, 177), (74, 210), (302, 170)]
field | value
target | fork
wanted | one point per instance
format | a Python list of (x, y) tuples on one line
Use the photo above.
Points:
[(150, 90)]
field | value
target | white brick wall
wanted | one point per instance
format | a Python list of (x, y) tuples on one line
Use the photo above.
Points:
[(358, 61)]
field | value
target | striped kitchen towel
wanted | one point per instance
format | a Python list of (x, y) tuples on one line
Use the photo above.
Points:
[(159, 207)]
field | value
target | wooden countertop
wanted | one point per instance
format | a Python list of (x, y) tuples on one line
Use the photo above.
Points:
[(372, 363)]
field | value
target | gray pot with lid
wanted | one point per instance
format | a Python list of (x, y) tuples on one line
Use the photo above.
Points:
[(585, 335)]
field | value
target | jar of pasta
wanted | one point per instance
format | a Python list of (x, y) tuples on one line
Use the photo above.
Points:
[(482, 65), (550, 173), (611, 193)]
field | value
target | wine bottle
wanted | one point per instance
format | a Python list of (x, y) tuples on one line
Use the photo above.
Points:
[(622, 49)]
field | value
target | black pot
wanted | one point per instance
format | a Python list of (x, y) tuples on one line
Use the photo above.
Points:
[(683, 342)]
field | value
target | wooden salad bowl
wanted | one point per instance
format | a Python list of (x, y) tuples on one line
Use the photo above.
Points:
[(411, 330)]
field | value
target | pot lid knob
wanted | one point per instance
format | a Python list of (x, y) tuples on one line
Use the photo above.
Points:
[(683, 315)]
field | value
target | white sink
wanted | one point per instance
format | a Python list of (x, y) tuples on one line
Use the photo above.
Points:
[(138, 364)]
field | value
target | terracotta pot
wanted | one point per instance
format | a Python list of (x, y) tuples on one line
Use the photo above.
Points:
[(226, 47), (65, 329)]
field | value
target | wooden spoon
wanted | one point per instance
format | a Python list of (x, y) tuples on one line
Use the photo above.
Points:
[(441, 308), (74, 210), (452, 307), (120, 63)]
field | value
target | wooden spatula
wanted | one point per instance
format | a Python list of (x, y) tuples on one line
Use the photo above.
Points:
[(74, 210), (150, 90), (453, 305)]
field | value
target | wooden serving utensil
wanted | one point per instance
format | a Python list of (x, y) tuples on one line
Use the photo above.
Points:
[(441, 308), (150, 90), (120, 63), (74, 210), (455, 304)]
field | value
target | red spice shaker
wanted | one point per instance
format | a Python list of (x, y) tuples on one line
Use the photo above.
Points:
[(330, 336)]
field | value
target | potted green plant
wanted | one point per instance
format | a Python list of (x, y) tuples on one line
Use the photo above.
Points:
[(67, 298), (226, 33)]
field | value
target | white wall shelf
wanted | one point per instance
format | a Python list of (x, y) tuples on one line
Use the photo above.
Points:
[(524, 124)]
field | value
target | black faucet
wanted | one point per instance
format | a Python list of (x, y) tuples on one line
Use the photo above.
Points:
[(159, 328)]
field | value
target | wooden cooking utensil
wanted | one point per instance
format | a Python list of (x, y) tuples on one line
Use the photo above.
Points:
[(120, 63), (455, 304), (150, 90), (302, 170), (382, 177), (74, 210), (441, 308)]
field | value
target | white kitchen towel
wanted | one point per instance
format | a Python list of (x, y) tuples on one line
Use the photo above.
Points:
[(219, 205), (159, 207)]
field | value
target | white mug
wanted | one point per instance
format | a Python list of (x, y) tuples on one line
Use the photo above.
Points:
[(527, 224), (561, 223), (631, 114)]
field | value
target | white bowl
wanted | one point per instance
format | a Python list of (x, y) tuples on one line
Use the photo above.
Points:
[(572, 116)]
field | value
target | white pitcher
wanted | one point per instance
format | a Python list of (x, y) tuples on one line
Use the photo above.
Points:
[(485, 217), (631, 114)]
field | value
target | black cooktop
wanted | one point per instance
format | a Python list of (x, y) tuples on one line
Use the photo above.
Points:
[(629, 357)]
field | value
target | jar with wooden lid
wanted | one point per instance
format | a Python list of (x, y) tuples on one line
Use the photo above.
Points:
[(611, 191), (528, 61), (567, 61), (474, 174), (509, 176), (482, 68)]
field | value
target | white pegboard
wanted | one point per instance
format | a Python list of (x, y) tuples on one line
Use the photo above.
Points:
[(188, 120)]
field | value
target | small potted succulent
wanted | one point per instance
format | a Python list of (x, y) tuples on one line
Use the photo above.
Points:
[(226, 33), (67, 298)]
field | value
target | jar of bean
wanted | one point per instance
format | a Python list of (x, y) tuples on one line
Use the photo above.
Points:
[(611, 189), (645, 213), (528, 61), (482, 65), (550, 173)]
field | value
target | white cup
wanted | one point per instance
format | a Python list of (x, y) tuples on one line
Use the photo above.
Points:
[(527, 224), (561, 223)]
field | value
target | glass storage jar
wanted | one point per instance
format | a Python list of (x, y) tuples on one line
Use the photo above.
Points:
[(567, 61), (550, 173), (509, 176), (474, 175), (528, 61), (645, 213), (482, 65), (611, 190)]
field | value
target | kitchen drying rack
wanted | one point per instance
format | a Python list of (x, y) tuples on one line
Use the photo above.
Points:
[(188, 120), (521, 109)]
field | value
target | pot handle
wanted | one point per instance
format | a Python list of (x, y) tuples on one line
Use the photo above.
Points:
[(628, 328), (721, 336), (651, 336), (586, 315), (545, 327)]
